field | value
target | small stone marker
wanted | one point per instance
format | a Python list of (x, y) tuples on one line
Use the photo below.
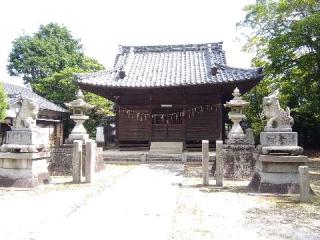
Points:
[(184, 158), (219, 164), (304, 184), (205, 162), (77, 161), (91, 149), (143, 157)]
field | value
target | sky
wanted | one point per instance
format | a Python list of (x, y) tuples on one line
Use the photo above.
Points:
[(103, 25)]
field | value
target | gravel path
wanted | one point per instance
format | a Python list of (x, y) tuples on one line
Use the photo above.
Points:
[(153, 201)]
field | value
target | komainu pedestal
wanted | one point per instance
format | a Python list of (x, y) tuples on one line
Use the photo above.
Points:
[(23, 169), (280, 156), (23, 157)]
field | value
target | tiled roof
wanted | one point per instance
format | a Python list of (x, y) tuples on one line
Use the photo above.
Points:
[(15, 92), (168, 66)]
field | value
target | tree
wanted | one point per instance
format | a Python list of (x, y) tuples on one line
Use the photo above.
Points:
[(285, 37), (48, 60), (60, 88), (3, 103), (48, 51)]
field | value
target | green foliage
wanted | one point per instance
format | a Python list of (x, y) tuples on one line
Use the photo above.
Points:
[(48, 51), (61, 88), (3, 103), (285, 36), (48, 60), (58, 87), (102, 108)]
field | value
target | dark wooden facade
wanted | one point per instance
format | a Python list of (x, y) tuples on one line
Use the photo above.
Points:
[(183, 114)]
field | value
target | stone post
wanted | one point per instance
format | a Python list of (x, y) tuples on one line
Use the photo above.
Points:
[(205, 162), (219, 163), (184, 158), (143, 157), (304, 184), (91, 149), (77, 161)]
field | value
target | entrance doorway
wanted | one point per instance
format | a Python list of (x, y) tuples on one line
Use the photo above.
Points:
[(167, 125)]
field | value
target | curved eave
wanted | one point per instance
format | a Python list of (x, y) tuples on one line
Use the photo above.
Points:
[(256, 79)]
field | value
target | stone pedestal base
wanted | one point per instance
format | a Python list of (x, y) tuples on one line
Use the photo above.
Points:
[(23, 169), (238, 160), (24, 140), (78, 136), (277, 174), (279, 142)]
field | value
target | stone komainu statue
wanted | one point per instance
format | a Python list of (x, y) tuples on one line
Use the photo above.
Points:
[(27, 115), (275, 115)]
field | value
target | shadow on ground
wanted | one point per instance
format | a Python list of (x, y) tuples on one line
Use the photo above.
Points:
[(176, 169)]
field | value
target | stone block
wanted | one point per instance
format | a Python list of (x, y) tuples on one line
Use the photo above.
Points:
[(276, 178), (25, 137), (279, 138), (219, 163), (304, 184), (283, 158), (277, 173), (238, 160), (78, 136), (24, 172), (16, 163), (90, 160), (282, 129), (77, 161), (277, 167), (205, 162)]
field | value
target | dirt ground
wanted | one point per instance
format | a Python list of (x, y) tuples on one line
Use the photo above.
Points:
[(154, 201)]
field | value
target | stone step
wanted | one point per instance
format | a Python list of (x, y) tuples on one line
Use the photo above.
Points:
[(166, 147), (314, 163)]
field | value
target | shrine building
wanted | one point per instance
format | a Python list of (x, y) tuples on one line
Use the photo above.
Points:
[(171, 93)]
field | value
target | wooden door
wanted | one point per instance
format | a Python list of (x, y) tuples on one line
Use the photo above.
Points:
[(167, 125)]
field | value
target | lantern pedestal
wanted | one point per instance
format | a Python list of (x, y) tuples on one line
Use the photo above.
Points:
[(78, 132)]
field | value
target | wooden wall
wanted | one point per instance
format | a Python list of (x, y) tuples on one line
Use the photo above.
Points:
[(132, 128)]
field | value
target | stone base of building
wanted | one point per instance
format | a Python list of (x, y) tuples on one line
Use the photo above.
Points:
[(239, 160), (25, 170), (277, 174)]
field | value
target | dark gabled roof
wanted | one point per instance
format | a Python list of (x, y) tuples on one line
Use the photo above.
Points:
[(169, 66), (14, 93)]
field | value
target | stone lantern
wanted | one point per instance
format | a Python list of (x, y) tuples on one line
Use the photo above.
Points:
[(78, 108), (237, 152), (237, 104)]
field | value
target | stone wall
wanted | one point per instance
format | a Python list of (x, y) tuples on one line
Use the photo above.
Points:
[(60, 161)]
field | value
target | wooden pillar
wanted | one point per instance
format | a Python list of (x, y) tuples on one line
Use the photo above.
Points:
[(205, 162), (222, 123), (117, 125), (150, 120)]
